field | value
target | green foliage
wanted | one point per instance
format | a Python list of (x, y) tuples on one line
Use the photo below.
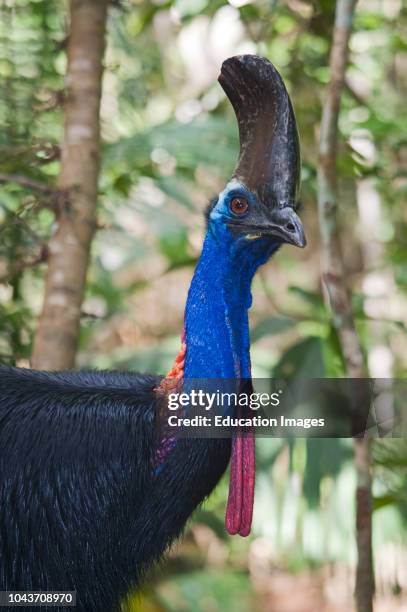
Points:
[(303, 360), (325, 458), (169, 144), (391, 460), (271, 326), (198, 591)]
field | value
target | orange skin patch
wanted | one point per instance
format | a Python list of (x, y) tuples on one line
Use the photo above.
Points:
[(176, 374)]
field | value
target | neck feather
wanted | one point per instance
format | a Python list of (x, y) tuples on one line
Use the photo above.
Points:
[(216, 317)]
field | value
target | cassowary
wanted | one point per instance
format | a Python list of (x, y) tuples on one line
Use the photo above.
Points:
[(91, 491)]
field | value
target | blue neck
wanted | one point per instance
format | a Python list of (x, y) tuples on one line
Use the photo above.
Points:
[(216, 316)]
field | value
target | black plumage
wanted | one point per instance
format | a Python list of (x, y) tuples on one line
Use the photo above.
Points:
[(82, 507)]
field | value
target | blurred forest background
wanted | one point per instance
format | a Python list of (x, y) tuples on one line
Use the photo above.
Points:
[(169, 143)]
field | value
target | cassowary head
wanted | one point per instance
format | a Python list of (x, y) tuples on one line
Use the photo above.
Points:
[(256, 211)]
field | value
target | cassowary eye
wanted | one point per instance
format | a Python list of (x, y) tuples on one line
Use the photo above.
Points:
[(239, 206)]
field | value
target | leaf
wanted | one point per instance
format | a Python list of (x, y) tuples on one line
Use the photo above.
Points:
[(302, 360), (271, 326), (123, 183), (325, 457), (332, 354), (381, 501), (310, 297), (174, 246)]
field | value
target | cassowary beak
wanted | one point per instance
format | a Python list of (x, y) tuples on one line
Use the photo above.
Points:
[(269, 161), (287, 227)]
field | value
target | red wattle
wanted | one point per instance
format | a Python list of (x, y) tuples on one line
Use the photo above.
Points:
[(234, 505), (239, 511), (249, 474)]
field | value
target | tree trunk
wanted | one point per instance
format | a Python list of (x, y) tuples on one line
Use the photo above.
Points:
[(337, 293), (56, 339)]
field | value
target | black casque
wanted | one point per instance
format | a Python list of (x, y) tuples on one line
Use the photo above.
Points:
[(269, 161)]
